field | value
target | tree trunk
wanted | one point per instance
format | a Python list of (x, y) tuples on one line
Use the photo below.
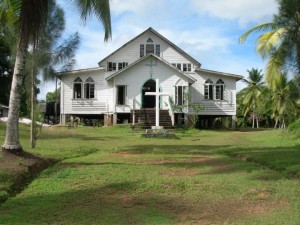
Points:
[(12, 142), (33, 125), (276, 122), (253, 120), (257, 122)]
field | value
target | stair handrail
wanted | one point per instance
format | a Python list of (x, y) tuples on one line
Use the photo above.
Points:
[(171, 112)]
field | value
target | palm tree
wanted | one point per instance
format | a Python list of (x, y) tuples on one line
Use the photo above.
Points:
[(284, 100), (252, 95), (280, 41), (29, 17)]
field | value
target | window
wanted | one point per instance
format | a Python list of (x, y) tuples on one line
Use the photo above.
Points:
[(178, 65), (149, 40), (181, 95), (157, 50), (184, 67), (149, 49), (208, 89), (111, 66), (142, 50), (121, 95), (189, 67), (89, 88), (122, 65), (77, 88), (220, 90)]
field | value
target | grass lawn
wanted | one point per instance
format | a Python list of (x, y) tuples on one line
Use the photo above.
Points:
[(114, 176)]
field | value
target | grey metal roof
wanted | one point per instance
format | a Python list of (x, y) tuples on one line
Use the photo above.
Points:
[(237, 77)]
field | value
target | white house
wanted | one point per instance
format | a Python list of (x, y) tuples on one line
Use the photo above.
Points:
[(115, 90)]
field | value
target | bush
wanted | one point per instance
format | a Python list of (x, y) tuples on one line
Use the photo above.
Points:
[(294, 127)]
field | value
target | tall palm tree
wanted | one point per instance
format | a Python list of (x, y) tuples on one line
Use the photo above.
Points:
[(279, 42), (29, 17), (284, 100), (252, 94)]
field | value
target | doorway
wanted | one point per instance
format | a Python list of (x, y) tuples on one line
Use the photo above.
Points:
[(148, 101)]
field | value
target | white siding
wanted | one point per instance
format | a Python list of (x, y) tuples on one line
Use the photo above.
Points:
[(215, 107), (102, 103), (131, 52), (134, 78)]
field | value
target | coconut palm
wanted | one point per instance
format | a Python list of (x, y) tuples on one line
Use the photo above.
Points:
[(284, 101), (29, 17), (252, 95), (279, 41)]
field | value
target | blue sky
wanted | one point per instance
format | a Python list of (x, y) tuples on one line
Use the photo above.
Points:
[(208, 30)]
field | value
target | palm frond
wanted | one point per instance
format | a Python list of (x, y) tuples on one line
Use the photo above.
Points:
[(99, 8), (270, 41), (260, 28)]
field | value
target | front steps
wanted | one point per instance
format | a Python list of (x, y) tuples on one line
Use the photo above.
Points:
[(146, 118)]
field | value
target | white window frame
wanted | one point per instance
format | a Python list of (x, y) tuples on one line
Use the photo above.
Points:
[(181, 95), (220, 87), (77, 84), (124, 95), (89, 88), (208, 90), (142, 50), (111, 66)]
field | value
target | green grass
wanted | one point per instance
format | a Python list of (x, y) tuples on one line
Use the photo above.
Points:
[(113, 176)]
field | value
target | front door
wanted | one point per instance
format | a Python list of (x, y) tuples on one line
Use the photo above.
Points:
[(148, 101)]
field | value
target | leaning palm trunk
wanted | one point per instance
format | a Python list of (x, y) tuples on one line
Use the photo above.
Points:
[(12, 142)]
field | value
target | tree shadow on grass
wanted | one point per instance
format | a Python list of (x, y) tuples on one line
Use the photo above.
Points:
[(175, 149), (120, 203), (284, 160)]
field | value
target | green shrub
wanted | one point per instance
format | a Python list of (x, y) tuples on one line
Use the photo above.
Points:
[(294, 127)]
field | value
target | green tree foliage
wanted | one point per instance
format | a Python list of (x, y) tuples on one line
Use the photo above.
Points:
[(28, 17), (279, 42), (5, 64), (284, 101), (53, 96), (252, 95)]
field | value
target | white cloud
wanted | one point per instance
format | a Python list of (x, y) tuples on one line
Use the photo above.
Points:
[(244, 11)]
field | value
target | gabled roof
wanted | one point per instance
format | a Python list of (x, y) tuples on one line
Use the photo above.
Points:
[(163, 38), (59, 74), (191, 79), (237, 77)]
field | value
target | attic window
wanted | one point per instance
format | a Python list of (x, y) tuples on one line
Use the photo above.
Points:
[(111, 66), (149, 49), (149, 40)]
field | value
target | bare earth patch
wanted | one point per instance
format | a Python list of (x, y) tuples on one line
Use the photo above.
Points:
[(21, 168)]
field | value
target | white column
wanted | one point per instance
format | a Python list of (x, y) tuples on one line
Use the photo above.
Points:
[(157, 103)]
